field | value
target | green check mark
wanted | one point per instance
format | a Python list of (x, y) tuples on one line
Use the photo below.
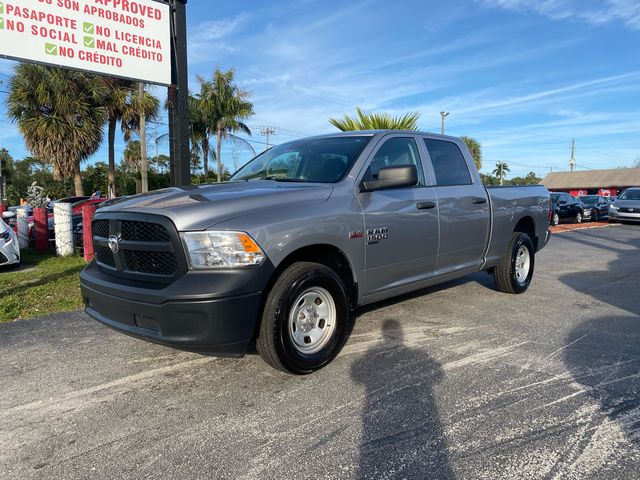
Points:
[(88, 28), (89, 42), (50, 49)]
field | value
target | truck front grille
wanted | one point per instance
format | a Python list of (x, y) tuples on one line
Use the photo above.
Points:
[(144, 232), (158, 263), (137, 246), (104, 255)]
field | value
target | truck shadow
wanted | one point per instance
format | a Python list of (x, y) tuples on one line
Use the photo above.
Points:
[(603, 353), (402, 436)]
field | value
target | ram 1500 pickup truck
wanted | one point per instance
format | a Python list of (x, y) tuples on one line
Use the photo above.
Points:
[(278, 258)]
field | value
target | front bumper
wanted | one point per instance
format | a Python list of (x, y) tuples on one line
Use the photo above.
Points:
[(9, 253), (618, 216), (213, 312)]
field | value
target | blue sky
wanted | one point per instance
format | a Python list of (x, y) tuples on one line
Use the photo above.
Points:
[(523, 77)]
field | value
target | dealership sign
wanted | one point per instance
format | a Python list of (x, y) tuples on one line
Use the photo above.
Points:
[(124, 38)]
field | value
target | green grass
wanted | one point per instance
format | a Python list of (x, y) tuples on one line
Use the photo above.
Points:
[(44, 284)]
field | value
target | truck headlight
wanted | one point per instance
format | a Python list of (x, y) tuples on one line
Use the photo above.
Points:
[(218, 249)]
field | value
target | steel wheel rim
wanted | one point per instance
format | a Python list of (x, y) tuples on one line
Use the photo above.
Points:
[(312, 320), (523, 264)]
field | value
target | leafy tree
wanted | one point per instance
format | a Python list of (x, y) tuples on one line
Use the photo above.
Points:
[(489, 179), (59, 115), (501, 171), (96, 178), (223, 105), (476, 150), (132, 155), (376, 121), (529, 179)]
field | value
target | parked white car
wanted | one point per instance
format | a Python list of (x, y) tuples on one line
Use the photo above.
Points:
[(9, 249)]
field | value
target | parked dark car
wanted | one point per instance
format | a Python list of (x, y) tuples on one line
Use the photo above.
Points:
[(595, 207), (76, 217), (564, 206)]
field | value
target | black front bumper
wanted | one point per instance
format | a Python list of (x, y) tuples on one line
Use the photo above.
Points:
[(213, 312)]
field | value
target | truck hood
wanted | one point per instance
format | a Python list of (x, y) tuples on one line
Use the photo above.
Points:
[(197, 207)]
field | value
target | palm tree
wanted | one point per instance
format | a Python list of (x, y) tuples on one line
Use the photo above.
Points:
[(200, 132), (145, 106), (376, 121), (223, 106), (501, 171), (476, 151), (116, 98), (59, 115)]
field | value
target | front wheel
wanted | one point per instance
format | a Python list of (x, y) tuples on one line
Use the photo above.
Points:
[(555, 219), (595, 216), (579, 217), (305, 319), (514, 272)]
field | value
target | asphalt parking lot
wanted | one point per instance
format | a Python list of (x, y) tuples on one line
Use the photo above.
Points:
[(458, 381)]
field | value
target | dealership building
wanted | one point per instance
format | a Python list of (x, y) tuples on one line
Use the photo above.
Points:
[(593, 182)]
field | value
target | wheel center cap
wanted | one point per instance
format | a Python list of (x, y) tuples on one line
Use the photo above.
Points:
[(307, 320)]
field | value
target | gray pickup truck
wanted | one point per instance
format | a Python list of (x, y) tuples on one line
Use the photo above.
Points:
[(278, 258)]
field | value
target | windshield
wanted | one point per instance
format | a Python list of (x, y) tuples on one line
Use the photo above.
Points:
[(588, 200), (554, 197), (629, 195), (324, 160)]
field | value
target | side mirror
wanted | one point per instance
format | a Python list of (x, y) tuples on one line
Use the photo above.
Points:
[(392, 177), (8, 215)]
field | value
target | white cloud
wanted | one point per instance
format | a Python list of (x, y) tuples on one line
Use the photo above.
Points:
[(594, 12)]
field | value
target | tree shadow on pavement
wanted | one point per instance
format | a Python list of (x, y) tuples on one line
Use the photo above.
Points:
[(603, 353), (402, 436)]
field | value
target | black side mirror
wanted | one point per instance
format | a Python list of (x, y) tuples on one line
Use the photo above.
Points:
[(392, 177)]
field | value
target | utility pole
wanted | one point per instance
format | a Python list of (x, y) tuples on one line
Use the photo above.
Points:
[(143, 140), (178, 97), (267, 131), (444, 115), (572, 162)]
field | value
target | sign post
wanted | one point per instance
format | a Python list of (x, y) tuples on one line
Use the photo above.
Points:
[(140, 40), (178, 98)]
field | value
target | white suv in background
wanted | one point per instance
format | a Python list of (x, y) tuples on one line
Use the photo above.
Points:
[(9, 249)]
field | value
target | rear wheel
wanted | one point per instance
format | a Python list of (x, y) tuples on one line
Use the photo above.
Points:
[(514, 272), (595, 216), (305, 319), (579, 217), (555, 219)]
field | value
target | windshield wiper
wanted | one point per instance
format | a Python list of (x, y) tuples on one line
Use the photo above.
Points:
[(278, 179)]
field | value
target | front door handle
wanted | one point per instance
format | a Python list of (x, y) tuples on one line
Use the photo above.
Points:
[(478, 200), (425, 205)]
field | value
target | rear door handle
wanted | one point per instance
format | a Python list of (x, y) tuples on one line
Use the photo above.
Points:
[(478, 200), (425, 205)]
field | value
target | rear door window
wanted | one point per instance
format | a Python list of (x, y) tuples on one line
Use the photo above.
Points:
[(448, 162)]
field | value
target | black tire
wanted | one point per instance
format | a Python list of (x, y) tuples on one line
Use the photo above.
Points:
[(274, 342), (505, 272), (555, 219), (595, 216), (578, 217)]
